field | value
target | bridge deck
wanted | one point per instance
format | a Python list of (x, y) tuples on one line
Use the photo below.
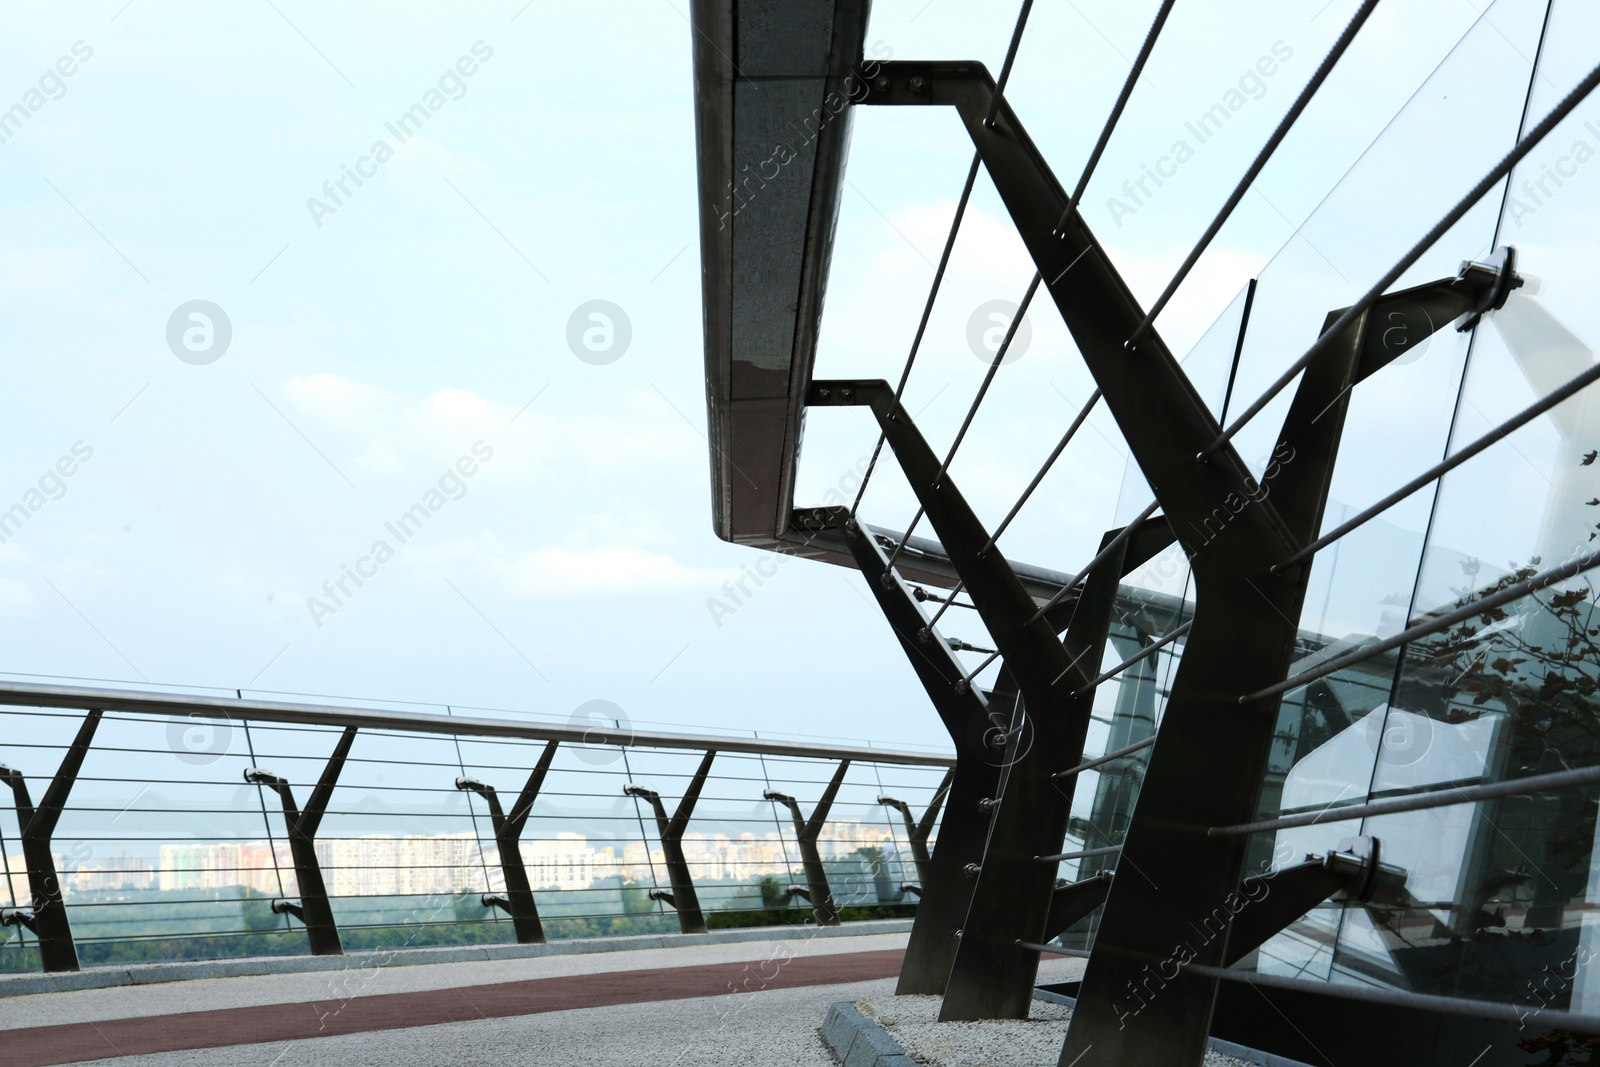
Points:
[(751, 1002)]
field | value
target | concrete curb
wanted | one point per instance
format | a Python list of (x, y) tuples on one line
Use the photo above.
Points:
[(860, 1042), (109, 976)]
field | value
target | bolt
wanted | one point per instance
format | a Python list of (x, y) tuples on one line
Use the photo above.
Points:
[(924, 636), (962, 687), (973, 870), (882, 82), (823, 394), (918, 84), (844, 394)]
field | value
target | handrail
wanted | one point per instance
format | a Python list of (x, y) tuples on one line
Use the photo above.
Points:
[(20, 694)]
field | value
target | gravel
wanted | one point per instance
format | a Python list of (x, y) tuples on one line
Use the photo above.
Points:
[(1032, 1042)]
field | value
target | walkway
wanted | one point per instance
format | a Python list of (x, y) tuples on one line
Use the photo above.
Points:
[(746, 1003)]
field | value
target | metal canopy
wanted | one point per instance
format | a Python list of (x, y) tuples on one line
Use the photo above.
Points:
[(771, 137)]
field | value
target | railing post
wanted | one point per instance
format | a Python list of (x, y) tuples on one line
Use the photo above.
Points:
[(682, 897), (47, 915), (313, 908), (919, 830), (807, 831), (518, 901)]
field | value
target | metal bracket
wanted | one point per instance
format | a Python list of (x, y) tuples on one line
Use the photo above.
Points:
[(46, 915), (289, 907), (19, 917), (1354, 872), (682, 898), (806, 832), (518, 900), (322, 932)]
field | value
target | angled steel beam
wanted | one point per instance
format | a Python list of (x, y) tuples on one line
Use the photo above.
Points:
[(518, 900), (946, 891), (682, 897), (806, 832), (1211, 753), (1071, 902), (1267, 904), (993, 973), (312, 908), (46, 915)]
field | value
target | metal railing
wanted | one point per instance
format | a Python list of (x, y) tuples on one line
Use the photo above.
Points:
[(176, 826)]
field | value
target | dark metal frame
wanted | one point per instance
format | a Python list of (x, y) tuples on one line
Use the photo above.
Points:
[(919, 830), (946, 890), (1210, 756), (991, 976), (682, 897), (46, 917), (518, 901), (806, 832), (313, 908)]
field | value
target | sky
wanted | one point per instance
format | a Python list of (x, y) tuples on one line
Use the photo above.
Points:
[(421, 333)]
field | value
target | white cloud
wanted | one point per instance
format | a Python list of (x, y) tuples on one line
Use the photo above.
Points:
[(568, 570), (533, 438)]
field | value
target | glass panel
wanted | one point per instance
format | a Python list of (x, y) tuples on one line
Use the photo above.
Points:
[(1505, 889)]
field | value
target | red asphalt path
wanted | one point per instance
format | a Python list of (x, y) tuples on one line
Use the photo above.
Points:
[(39, 1046)]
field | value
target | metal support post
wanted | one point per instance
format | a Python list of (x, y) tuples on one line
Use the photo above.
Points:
[(684, 900), (1211, 753), (946, 891), (518, 900), (807, 831), (992, 974), (313, 908), (46, 915)]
